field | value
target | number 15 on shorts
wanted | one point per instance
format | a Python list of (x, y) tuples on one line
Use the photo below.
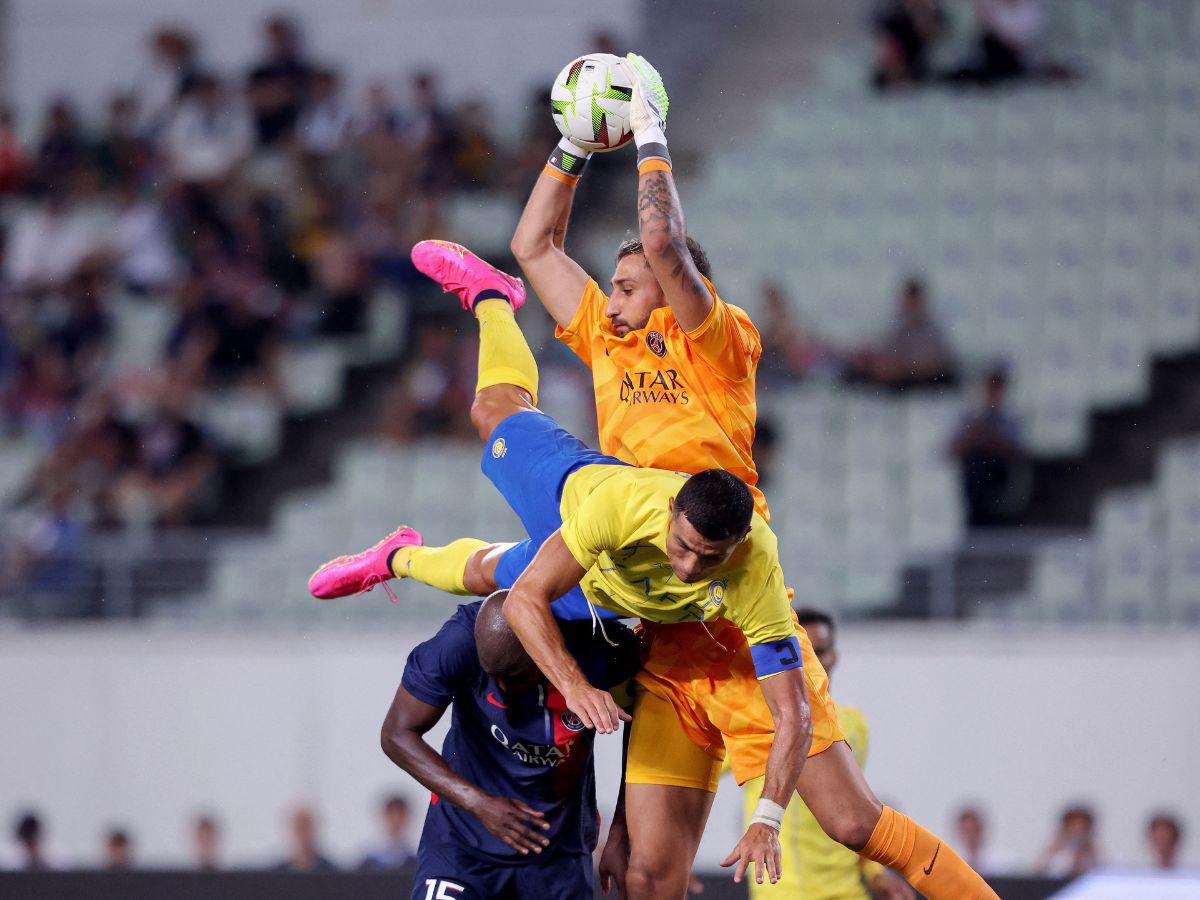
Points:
[(440, 889)]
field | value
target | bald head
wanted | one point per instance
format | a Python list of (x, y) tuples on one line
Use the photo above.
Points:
[(500, 652)]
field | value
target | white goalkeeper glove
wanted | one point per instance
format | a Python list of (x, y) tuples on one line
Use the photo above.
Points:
[(647, 109)]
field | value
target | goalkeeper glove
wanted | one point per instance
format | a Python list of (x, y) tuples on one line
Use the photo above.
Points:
[(647, 109)]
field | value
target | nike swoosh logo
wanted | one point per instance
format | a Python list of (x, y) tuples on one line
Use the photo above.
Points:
[(492, 700), (929, 868)]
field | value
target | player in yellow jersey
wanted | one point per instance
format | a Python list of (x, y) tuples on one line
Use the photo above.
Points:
[(673, 366), (736, 674), (820, 868)]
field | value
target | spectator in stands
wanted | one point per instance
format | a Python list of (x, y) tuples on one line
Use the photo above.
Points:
[(231, 342), (988, 448), (789, 350), (433, 390), (166, 79), (1164, 835), (324, 125), (305, 855), (379, 113), (432, 133), (62, 147), (1072, 850), (971, 830), (1009, 34), (207, 137), (341, 277), (118, 850), (475, 160), (205, 842), (396, 851), (123, 154), (29, 848), (766, 439), (277, 86), (47, 243), (914, 352), (904, 32), (13, 162), (173, 468), (140, 242)]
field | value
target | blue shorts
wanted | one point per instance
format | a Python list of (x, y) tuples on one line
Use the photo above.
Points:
[(528, 458), (446, 872)]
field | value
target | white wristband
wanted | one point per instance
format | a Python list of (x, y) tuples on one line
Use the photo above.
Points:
[(768, 812), (652, 135)]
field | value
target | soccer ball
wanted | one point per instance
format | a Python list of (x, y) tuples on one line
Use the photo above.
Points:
[(590, 102)]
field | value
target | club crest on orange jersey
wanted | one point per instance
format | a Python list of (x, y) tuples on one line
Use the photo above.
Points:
[(657, 344)]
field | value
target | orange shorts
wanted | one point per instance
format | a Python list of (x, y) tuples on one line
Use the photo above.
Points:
[(698, 699)]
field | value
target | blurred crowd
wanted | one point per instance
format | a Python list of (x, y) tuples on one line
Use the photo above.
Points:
[(1073, 847), (303, 851), (912, 353), (250, 210), (1007, 44)]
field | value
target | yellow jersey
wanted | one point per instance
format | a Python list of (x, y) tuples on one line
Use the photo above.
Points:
[(815, 865), (614, 522), (673, 399)]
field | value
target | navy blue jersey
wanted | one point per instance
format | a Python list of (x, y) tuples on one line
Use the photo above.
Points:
[(525, 745)]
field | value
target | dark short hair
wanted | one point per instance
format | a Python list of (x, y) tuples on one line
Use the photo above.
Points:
[(806, 615), (1078, 811), (29, 828), (632, 246), (717, 503), (395, 801)]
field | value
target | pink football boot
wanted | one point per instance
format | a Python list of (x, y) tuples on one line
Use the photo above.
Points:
[(461, 272), (359, 573)]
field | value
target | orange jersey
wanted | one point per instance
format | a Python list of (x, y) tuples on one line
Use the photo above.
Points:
[(671, 399)]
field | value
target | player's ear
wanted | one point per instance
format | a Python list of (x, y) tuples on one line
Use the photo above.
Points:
[(671, 505)]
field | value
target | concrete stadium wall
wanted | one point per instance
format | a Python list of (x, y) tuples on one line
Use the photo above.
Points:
[(146, 725), (87, 49)]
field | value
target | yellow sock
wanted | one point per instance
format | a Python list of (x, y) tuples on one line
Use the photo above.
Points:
[(440, 567), (924, 860), (504, 356)]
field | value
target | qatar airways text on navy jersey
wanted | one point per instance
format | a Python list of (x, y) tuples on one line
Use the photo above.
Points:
[(526, 745)]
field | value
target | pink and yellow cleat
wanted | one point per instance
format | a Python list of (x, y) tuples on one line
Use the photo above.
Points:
[(461, 272), (359, 573)]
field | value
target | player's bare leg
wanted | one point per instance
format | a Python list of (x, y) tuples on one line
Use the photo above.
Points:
[(665, 824), (834, 788)]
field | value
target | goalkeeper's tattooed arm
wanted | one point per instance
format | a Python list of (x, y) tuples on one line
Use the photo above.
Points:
[(664, 240), (537, 243), (660, 216)]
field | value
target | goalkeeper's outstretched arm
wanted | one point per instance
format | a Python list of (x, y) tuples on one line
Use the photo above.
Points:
[(537, 243), (660, 215)]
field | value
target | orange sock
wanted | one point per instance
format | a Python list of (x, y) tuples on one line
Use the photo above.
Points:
[(924, 859)]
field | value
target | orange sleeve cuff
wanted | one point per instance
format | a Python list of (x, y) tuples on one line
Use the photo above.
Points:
[(654, 165), (560, 176)]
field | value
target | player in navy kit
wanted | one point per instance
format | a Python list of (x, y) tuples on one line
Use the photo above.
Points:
[(513, 812)]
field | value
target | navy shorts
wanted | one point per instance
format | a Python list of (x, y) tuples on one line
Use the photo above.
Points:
[(528, 458), (446, 873)]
